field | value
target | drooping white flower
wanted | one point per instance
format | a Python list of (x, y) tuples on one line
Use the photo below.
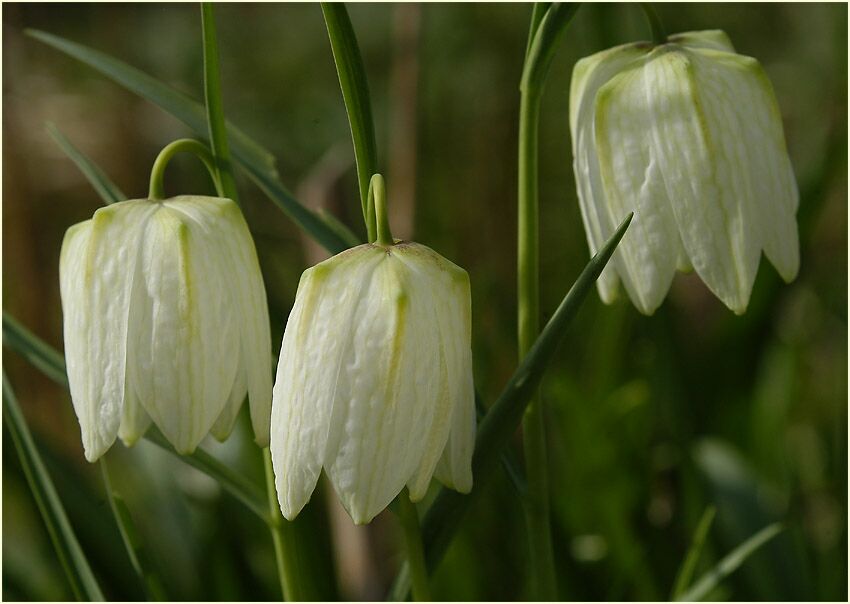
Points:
[(688, 135), (374, 382), (165, 320)]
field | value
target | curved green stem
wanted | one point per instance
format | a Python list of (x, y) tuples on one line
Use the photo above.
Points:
[(654, 21), (378, 201), (187, 145), (409, 518), (539, 56)]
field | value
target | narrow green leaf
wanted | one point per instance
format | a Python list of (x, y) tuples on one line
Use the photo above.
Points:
[(538, 10), (510, 463), (254, 159), (686, 573), (548, 33), (184, 108), (215, 106), (108, 191), (355, 94), (136, 551), (35, 350), (494, 433), (327, 236), (68, 549), (51, 363), (730, 563)]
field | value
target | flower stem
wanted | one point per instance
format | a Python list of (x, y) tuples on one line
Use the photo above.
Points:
[(534, 427), (377, 200), (283, 537), (539, 56), (409, 518), (187, 145), (654, 21)]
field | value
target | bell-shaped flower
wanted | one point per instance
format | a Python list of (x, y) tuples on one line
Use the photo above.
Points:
[(688, 135), (165, 320), (374, 382)]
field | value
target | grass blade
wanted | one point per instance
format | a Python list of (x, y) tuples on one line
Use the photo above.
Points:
[(494, 433), (215, 106), (254, 159), (686, 573), (35, 350), (68, 549), (537, 11), (327, 236), (130, 537), (51, 363), (730, 563), (108, 190), (187, 110), (355, 94)]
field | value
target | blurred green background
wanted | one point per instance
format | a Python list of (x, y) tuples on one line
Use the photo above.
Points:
[(651, 420)]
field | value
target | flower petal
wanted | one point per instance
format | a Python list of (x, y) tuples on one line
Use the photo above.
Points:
[(589, 74), (134, 419), (632, 181), (436, 294), (695, 141), (385, 401), (309, 373), (455, 466), (97, 269), (185, 333)]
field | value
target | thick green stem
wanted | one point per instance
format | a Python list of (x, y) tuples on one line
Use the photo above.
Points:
[(377, 202), (409, 518), (539, 56), (187, 145), (654, 21), (534, 427), (283, 537)]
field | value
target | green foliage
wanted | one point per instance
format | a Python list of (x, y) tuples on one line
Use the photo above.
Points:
[(650, 420)]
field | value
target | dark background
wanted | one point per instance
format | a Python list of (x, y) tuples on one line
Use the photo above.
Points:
[(650, 420)]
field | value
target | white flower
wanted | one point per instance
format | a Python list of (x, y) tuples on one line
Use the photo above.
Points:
[(688, 135), (374, 382), (165, 319)]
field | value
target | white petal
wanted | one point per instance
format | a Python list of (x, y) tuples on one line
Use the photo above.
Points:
[(185, 333), (455, 466), (134, 419), (255, 330), (242, 270), (385, 402), (97, 266), (589, 74), (310, 373), (223, 426), (755, 140), (436, 302), (632, 181), (693, 139)]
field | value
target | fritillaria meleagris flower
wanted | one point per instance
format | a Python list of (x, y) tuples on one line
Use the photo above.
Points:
[(688, 135), (374, 382), (165, 321)]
